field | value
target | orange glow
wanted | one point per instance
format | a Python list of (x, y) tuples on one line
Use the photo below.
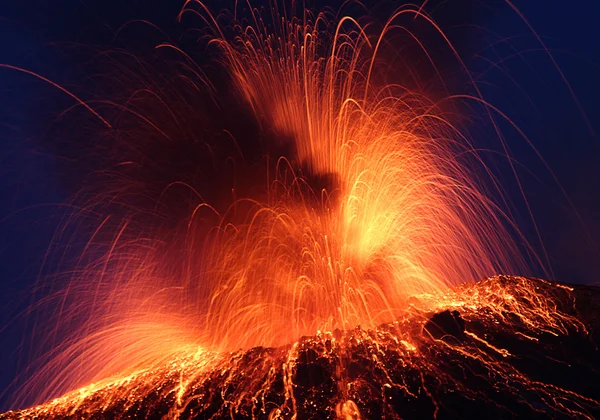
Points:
[(401, 215), (400, 228)]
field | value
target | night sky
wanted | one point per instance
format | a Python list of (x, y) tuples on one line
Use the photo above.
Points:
[(37, 177)]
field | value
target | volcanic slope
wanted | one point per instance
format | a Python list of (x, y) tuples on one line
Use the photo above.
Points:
[(504, 347)]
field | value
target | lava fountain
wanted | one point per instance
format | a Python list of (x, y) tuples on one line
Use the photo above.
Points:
[(376, 215), (374, 207)]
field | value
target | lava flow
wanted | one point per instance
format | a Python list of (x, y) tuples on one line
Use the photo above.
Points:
[(342, 284)]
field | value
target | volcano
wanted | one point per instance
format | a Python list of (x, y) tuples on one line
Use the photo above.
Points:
[(504, 347)]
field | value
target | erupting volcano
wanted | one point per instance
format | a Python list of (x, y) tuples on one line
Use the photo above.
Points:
[(347, 269)]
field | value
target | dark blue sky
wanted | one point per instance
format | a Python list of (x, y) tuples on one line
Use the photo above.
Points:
[(38, 35)]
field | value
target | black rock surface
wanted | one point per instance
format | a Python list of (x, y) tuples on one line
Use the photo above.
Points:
[(465, 361)]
